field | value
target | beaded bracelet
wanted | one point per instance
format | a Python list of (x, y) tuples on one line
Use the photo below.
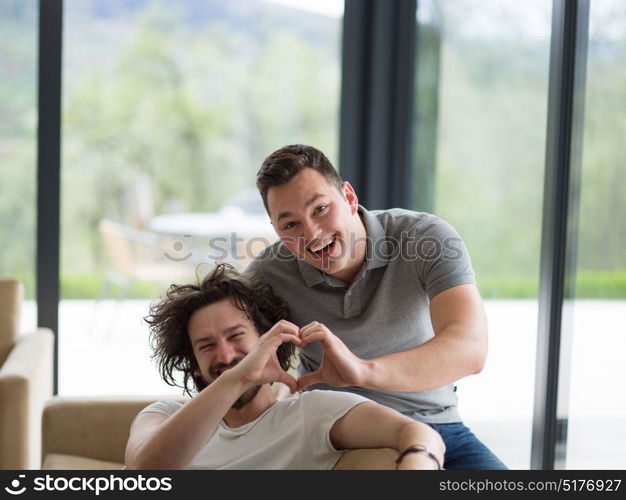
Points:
[(418, 448)]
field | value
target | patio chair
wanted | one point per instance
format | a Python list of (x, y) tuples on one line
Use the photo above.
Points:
[(139, 256)]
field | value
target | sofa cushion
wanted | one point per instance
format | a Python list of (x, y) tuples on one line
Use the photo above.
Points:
[(58, 461), (378, 459), (96, 427)]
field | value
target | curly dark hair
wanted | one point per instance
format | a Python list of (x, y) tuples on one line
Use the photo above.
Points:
[(169, 319)]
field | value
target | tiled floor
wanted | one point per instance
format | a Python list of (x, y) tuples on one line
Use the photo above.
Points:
[(104, 350)]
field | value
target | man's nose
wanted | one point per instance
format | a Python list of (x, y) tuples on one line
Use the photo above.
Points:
[(311, 231), (225, 353)]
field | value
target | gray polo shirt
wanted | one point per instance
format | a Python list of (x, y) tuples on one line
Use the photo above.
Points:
[(411, 257)]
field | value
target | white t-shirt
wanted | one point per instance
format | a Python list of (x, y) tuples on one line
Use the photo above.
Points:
[(291, 434)]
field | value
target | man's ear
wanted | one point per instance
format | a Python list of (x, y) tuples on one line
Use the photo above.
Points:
[(350, 195)]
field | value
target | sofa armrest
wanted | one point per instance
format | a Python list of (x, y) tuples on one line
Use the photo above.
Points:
[(368, 459), (91, 427), (25, 385), (11, 295)]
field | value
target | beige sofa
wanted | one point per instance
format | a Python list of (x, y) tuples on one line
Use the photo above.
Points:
[(91, 433), (76, 432), (25, 382)]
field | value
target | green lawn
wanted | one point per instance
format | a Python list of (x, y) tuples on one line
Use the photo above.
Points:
[(590, 285)]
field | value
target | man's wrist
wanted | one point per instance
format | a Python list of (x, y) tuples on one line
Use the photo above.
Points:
[(234, 380), (414, 454), (368, 373), (417, 461)]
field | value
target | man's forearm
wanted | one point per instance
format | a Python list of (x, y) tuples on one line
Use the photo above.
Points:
[(181, 437), (370, 425), (449, 356)]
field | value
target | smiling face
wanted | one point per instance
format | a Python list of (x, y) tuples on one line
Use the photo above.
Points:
[(318, 223), (221, 335)]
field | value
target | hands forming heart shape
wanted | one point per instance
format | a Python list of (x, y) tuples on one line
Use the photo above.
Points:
[(339, 366)]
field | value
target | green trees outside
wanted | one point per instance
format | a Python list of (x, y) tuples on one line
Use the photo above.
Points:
[(18, 130), (193, 103), (492, 90), (194, 109)]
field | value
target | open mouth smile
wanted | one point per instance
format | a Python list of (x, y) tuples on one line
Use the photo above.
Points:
[(323, 248)]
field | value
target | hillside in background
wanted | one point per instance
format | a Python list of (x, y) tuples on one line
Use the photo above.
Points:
[(193, 94)]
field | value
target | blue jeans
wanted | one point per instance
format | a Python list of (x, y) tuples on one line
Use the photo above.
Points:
[(464, 451)]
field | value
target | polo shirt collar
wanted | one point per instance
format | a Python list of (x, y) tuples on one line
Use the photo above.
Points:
[(375, 232), (311, 275)]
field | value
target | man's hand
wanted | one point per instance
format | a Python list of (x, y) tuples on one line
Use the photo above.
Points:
[(261, 366), (339, 366)]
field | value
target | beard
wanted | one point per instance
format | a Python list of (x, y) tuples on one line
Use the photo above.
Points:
[(246, 397)]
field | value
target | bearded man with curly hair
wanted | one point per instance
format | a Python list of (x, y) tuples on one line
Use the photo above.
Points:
[(229, 338)]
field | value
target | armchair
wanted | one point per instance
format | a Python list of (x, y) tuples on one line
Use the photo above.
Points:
[(25, 382)]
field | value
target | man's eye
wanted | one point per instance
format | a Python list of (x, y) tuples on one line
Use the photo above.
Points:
[(236, 335), (321, 208), (289, 225), (206, 347)]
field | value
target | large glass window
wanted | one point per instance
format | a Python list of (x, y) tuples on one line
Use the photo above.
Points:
[(169, 108), (480, 127), (18, 149), (597, 405)]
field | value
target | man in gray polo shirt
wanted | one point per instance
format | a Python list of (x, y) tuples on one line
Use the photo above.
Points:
[(394, 289)]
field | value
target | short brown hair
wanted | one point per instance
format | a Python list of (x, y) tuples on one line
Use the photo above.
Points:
[(169, 320), (282, 165)]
